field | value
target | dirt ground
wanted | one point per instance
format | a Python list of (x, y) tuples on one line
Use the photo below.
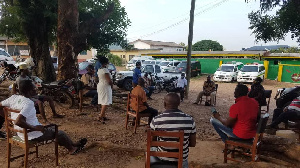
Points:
[(111, 145)]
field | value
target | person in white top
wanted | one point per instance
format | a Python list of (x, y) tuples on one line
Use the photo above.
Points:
[(181, 83), (104, 88), (27, 119)]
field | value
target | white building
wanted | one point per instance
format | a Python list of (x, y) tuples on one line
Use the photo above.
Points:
[(163, 46)]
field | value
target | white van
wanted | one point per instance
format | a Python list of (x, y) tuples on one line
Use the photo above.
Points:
[(228, 72), (251, 71), (131, 64)]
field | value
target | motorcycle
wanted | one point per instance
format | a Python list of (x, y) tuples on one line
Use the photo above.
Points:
[(285, 96), (157, 82), (62, 91), (171, 84), (9, 73)]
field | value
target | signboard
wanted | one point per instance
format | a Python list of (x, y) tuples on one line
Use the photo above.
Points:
[(24, 52)]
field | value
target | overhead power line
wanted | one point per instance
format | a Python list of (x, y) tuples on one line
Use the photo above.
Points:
[(184, 20)]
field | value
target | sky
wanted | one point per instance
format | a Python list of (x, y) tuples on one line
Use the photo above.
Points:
[(225, 21)]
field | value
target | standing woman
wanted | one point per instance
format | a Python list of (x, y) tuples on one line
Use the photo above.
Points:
[(104, 88)]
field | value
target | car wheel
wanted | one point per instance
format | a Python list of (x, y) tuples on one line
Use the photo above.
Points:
[(127, 85)]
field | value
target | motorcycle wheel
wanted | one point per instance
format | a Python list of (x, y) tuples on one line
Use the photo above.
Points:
[(158, 88), (64, 99)]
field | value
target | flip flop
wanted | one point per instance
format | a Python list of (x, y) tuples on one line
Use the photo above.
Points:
[(77, 150)]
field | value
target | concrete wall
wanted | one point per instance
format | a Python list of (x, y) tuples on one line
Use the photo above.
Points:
[(127, 55)]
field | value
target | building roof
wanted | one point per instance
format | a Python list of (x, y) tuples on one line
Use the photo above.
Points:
[(282, 55), (266, 48), (158, 43)]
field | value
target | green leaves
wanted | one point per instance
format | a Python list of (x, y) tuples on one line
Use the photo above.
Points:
[(275, 27), (206, 45)]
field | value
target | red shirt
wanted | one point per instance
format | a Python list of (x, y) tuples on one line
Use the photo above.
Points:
[(245, 111)]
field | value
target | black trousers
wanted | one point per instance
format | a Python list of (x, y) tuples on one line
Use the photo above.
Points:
[(2, 120), (151, 111), (280, 116)]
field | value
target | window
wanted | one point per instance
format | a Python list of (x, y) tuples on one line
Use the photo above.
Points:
[(83, 52), (130, 57), (123, 56), (157, 69), (262, 68), (149, 68)]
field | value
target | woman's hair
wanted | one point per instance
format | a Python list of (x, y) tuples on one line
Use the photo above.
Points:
[(258, 80), (25, 86), (103, 60)]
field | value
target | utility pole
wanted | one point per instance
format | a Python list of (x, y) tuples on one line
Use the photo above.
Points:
[(189, 52)]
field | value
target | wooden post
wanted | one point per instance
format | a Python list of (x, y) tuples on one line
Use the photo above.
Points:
[(189, 53)]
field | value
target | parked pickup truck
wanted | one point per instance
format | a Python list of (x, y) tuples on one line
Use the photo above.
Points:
[(124, 78)]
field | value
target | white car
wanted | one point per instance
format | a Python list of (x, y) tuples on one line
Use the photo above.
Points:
[(4, 56), (249, 72), (171, 67), (227, 72), (131, 64)]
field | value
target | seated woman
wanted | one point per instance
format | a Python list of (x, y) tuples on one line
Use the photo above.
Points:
[(258, 92)]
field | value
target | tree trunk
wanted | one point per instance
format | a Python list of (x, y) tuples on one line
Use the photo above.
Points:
[(67, 31), (189, 53), (39, 51)]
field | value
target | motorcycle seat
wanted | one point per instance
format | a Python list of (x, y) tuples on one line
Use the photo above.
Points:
[(53, 84)]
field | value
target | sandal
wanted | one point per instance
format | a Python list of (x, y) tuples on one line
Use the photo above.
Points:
[(82, 143), (101, 120)]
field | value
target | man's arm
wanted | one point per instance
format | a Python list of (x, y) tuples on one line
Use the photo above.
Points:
[(14, 88), (192, 140), (21, 122), (228, 122)]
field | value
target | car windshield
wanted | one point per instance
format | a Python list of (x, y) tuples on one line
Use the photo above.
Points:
[(4, 53), (182, 64), (148, 68), (149, 62), (226, 68), (110, 67), (164, 63), (83, 65), (250, 69)]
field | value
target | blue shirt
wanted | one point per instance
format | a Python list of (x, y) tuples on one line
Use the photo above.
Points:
[(136, 75), (97, 66)]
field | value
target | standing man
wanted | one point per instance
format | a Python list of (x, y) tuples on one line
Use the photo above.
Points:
[(136, 74), (173, 120), (181, 84), (243, 117), (209, 88)]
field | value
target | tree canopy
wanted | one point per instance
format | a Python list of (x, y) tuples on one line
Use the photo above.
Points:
[(275, 27), (206, 45)]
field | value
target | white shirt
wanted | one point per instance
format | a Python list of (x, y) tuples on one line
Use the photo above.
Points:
[(181, 83), (27, 109)]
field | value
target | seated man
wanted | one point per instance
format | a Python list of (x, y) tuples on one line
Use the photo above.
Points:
[(143, 105), (291, 112), (243, 117), (148, 88), (181, 84), (209, 88), (27, 119), (258, 92), (174, 119), (37, 99), (90, 89)]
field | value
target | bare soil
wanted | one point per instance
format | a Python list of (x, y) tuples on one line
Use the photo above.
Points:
[(111, 145)]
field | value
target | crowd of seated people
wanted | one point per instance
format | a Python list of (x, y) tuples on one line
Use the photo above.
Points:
[(241, 123)]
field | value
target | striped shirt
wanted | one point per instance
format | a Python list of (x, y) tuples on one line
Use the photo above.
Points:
[(174, 120), (295, 105)]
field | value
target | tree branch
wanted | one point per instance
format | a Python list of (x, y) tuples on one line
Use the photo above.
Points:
[(89, 27)]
